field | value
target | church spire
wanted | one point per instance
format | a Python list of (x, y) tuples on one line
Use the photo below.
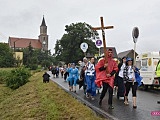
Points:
[(43, 22), (43, 37)]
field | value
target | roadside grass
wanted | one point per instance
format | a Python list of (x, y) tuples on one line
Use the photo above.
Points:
[(7, 69), (41, 101)]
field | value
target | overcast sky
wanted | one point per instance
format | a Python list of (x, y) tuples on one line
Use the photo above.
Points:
[(22, 18)]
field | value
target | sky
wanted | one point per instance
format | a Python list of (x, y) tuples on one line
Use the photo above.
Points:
[(22, 18)]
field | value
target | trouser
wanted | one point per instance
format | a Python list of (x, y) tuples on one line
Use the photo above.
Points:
[(65, 75), (57, 74), (91, 86), (72, 81), (128, 85), (54, 74), (62, 74), (84, 85), (121, 86), (104, 90)]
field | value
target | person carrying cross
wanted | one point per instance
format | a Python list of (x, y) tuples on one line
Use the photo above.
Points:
[(106, 78)]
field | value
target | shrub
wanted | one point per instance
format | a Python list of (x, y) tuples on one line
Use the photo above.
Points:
[(3, 75), (33, 66), (17, 77)]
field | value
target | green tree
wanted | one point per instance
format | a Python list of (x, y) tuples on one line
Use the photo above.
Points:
[(6, 56), (67, 49), (34, 57)]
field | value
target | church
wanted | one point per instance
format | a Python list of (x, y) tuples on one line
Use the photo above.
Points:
[(40, 43)]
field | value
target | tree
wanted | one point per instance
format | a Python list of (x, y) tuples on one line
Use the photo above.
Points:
[(34, 57), (67, 49), (6, 56)]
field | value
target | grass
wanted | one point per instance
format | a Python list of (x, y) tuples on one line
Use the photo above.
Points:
[(41, 101)]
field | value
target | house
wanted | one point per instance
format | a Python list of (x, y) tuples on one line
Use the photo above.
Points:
[(128, 53), (40, 43)]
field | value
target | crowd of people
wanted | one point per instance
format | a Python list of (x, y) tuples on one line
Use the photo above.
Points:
[(106, 75)]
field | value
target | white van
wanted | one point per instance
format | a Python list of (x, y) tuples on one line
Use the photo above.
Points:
[(147, 63)]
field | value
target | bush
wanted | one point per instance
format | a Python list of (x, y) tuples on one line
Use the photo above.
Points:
[(3, 75), (33, 66), (17, 77)]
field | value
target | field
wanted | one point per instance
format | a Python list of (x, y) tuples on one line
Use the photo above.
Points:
[(41, 101)]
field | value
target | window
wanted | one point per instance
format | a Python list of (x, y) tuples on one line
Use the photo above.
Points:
[(144, 62), (138, 64)]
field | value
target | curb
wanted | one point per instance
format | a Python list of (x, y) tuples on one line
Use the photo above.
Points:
[(88, 104)]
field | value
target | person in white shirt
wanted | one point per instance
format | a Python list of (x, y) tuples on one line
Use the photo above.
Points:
[(83, 67), (90, 79), (119, 78), (130, 81)]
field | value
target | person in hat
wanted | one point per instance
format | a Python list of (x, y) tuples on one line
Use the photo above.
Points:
[(130, 81), (106, 79)]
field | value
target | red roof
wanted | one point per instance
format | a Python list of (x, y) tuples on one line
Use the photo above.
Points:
[(24, 42)]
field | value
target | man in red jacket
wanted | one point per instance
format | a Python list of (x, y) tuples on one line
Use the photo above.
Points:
[(106, 79)]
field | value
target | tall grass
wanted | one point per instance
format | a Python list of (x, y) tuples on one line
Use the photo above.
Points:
[(41, 101)]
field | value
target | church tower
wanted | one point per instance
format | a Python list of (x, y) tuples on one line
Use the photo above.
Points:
[(43, 37)]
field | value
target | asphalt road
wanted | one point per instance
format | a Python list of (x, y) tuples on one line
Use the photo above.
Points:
[(146, 104)]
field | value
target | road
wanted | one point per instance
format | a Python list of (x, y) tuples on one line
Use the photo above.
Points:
[(146, 104)]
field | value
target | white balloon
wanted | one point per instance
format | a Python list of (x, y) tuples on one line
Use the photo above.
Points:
[(84, 46)]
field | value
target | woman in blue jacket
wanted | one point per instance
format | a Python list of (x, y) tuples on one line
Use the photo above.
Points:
[(73, 77)]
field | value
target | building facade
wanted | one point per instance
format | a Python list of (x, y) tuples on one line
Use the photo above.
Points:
[(40, 43)]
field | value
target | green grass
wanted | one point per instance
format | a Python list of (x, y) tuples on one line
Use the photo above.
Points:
[(39, 101), (6, 69)]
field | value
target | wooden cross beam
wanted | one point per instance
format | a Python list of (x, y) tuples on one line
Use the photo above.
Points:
[(103, 36)]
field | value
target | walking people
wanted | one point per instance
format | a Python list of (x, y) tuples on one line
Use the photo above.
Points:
[(54, 71), (119, 78), (90, 79), (85, 61), (66, 74), (82, 79), (73, 77), (130, 81), (84, 66), (62, 71), (106, 79), (57, 72)]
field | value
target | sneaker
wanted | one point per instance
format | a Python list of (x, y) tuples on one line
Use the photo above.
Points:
[(92, 98), (111, 107), (126, 103), (87, 96)]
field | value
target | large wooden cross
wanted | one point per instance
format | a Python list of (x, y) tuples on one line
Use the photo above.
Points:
[(103, 36)]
